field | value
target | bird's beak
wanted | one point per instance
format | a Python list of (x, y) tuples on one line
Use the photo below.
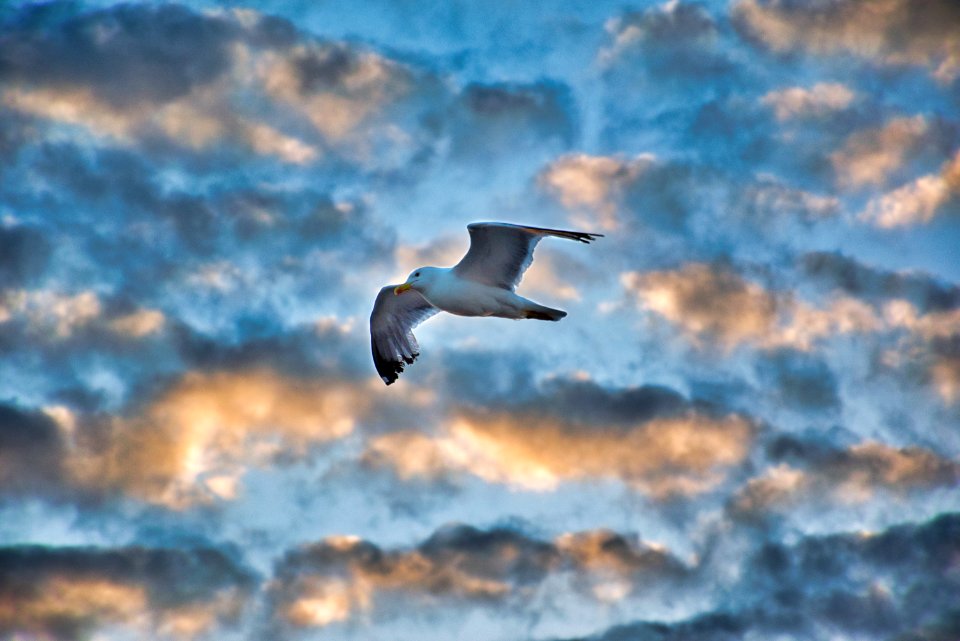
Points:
[(399, 289)]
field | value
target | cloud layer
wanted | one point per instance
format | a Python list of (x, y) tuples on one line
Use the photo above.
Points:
[(746, 427)]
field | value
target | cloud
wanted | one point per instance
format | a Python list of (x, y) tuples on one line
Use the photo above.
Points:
[(136, 75), (877, 285), (31, 451), (927, 354), (822, 99), (360, 102), (768, 201), (929, 327), (871, 156), (618, 192), (869, 584), (946, 375), (139, 323), (674, 39), (810, 472), (714, 306), (114, 52), (188, 444), (47, 316), (24, 254), (133, 72), (715, 303), (917, 202), (49, 312), (666, 450), (799, 380), (197, 206), (507, 118), (707, 301), (889, 32), (342, 578), (595, 184), (193, 442), (72, 592)]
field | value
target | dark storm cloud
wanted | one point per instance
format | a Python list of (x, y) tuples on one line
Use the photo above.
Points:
[(801, 381), (31, 451), (660, 68), (588, 401), (16, 130), (70, 593), (495, 381), (145, 212), (24, 253), (341, 578), (675, 42), (112, 207), (81, 183), (814, 469), (128, 54), (880, 584), (505, 118), (306, 350), (876, 284), (899, 583), (708, 627)]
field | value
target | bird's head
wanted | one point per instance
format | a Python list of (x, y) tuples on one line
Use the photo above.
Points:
[(419, 280)]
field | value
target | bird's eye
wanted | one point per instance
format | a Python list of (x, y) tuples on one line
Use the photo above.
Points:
[(417, 275)]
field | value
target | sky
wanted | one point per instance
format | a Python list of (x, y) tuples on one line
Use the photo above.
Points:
[(748, 427)]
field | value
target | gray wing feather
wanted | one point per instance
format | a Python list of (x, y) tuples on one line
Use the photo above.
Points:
[(500, 253), (391, 330)]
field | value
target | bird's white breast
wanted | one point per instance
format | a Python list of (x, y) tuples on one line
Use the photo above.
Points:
[(466, 297)]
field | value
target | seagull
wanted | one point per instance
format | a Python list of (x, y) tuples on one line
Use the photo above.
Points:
[(481, 284)]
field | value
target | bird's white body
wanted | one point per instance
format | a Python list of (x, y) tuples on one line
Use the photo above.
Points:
[(481, 284), (446, 291)]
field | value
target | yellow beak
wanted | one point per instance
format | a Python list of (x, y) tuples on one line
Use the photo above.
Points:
[(399, 289)]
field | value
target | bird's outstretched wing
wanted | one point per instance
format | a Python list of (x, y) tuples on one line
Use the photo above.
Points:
[(500, 252), (391, 330)]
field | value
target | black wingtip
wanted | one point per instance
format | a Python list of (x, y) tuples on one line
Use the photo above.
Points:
[(389, 370), (587, 238)]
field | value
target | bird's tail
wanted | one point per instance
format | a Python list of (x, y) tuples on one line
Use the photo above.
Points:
[(541, 312)]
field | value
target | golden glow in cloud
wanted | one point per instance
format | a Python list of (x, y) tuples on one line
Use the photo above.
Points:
[(49, 312), (340, 91), (869, 157), (711, 302), (683, 455), (204, 117), (194, 442), (593, 184), (342, 578), (355, 579), (917, 202), (140, 323), (819, 100), (946, 377), (75, 600), (893, 32), (54, 315), (850, 476)]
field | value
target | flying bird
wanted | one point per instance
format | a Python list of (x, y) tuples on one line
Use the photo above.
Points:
[(481, 284)]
